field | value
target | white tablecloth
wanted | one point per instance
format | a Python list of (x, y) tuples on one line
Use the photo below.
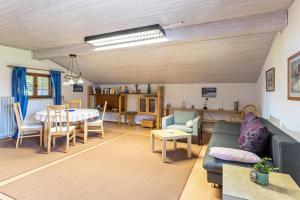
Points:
[(74, 116)]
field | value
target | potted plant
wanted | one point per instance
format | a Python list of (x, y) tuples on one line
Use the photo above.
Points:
[(262, 171)]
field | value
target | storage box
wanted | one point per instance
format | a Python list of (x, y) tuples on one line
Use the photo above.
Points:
[(147, 123)]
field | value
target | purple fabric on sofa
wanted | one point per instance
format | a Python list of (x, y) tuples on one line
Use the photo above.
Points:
[(248, 126), (254, 137), (256, 141), (249, 117)]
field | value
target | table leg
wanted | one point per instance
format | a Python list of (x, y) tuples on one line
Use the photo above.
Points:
[(152, 142), (85, 131), (164, 150), (175, 144), (189, 146)]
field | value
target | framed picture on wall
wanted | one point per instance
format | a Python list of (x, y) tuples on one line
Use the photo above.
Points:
[(294, 77), (77, 88), (270, 80), (210, 92)]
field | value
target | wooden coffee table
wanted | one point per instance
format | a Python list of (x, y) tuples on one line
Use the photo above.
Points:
[(237, 185), (171, 134)]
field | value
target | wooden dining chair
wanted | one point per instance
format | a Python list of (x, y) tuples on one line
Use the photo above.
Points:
[(58, 126), (26, 130), (74, 103), (97, 124)]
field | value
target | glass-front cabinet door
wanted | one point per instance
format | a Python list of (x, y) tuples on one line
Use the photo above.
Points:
[(142, 105), (152, 105)]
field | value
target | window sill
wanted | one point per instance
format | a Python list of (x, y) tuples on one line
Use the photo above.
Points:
[(41, 97)]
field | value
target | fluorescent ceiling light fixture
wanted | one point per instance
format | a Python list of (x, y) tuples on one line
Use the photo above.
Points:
[(129, 36), (131, 44)]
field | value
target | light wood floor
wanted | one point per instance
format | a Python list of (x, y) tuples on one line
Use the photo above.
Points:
[(196, 187)]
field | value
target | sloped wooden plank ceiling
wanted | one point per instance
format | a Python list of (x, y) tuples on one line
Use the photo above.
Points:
[(237, 59), (42, 24)]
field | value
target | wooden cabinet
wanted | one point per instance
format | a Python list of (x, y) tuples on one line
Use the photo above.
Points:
[(147, 105), (142, 105), (152, 105)]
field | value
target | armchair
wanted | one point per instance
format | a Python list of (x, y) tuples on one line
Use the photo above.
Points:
[(179, 120)]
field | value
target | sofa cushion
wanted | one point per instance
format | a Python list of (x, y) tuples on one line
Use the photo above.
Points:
[(189, 123), (180, 127), (249, 117), (254, 138), (224, 140), (227, 128), (181, 117), (236, 155), (247, 127), (213, 164)]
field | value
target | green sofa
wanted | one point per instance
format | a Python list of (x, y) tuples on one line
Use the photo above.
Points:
[(283, 149)]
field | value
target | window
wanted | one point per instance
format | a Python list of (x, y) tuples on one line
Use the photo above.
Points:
[(39, 85)]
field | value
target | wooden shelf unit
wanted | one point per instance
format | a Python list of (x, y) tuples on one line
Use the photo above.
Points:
[(115, 102), (119, 103)]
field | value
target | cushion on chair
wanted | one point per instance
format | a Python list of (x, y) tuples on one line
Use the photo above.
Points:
[(181, 117), (189, 123), (181, 127), (63, 129), (31, 127), (96, 122)]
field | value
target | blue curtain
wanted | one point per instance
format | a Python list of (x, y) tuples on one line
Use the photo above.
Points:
[(56, 83), (19, 89)]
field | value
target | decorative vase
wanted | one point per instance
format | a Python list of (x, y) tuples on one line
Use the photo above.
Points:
[(262, 179), (149, 89), (252, 174)]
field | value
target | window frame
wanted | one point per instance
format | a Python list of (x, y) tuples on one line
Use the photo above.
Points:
[(35, 86)]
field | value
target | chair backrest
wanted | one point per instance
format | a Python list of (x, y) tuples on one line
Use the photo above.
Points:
[(57, 119), (18, 114), (250, 108), (181, 117), (74, 103), (104, 109)]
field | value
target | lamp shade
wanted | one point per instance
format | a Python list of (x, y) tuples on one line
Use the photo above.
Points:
[(71, 82), (80, 81)]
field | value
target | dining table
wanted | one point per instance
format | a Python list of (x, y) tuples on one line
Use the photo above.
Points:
[(75, 115)]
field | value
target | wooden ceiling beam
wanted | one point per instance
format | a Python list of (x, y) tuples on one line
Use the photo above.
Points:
[(263, 23)]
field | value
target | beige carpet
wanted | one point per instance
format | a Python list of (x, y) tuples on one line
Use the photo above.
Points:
[(124, 168), (30, 155)]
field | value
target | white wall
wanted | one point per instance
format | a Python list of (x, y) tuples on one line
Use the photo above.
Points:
[(20, 57), (175, 94), (227, 93), (275, 105)]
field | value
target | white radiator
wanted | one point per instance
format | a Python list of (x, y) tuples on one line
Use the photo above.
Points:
[(7, 121)]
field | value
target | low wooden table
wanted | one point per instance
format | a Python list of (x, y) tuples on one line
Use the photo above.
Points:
[(166, 134), (237, 185), (130, 118)]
